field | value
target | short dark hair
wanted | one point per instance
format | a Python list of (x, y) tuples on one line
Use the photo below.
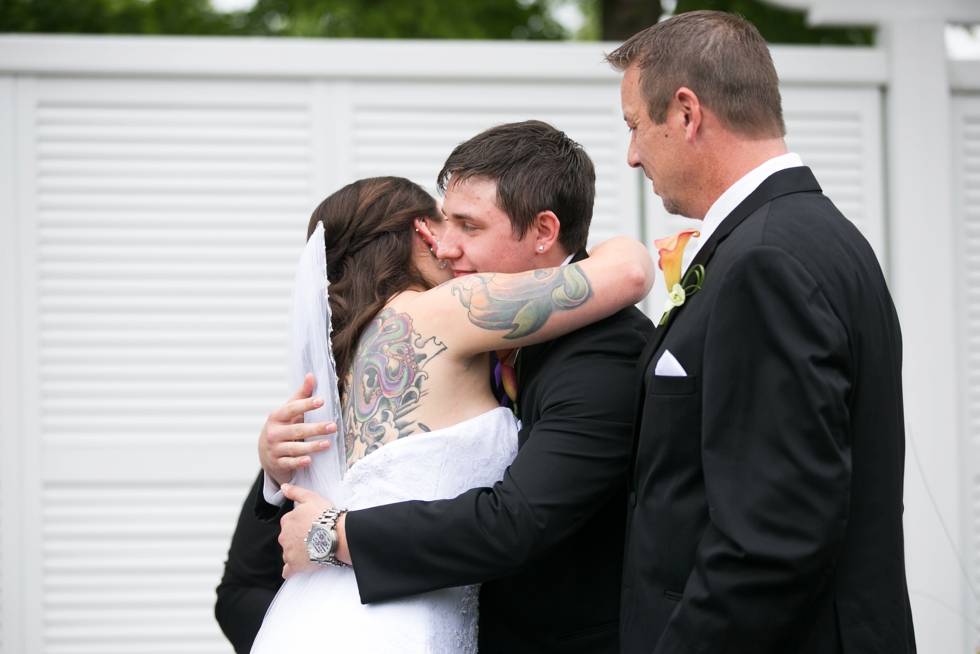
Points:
[(536, 168), (721, 57)]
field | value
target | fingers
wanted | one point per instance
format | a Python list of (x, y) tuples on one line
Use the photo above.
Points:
[(294, 457), (277, 434), (296, 493), (306, 388), (293, 463), (286, 449), (293, 410), (299, 448)]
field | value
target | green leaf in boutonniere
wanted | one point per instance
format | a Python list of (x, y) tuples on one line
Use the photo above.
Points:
[(690, 285)]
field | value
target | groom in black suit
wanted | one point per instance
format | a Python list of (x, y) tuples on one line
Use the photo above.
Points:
[(765, 503), (547, 541)]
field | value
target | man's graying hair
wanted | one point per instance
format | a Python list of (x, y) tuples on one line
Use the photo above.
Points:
[(536, 168), (721, 57)]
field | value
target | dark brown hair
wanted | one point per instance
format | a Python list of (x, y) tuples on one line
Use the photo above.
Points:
[(368, 229), (536, 168), (721, 57)]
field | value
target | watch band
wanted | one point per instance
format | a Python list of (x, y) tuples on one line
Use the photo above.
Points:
[(328, 521)]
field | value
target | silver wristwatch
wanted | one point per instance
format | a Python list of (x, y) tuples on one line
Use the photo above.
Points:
[(322, 541)]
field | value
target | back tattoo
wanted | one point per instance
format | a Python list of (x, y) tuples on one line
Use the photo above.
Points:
[(386, 383)]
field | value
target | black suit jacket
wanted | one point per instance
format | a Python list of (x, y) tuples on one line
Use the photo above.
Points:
[(766, 485), (547, 540), (253, 575)]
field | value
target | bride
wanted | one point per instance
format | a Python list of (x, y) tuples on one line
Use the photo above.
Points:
[(415, 409)]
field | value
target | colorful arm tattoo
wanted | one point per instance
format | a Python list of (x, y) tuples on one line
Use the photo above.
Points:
[(385, 383), (522, 303)]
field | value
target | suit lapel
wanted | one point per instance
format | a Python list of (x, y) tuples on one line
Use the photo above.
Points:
[(784, 182)]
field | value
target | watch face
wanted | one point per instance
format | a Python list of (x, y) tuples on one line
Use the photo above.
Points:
[(319, 543)]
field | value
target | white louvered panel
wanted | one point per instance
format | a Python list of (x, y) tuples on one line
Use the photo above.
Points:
[(837, 133), (410, 130), (966, 185), (132, 568), (170, 216), (168, 230)]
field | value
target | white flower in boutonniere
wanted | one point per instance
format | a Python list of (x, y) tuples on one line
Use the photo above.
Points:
[(675, 298), (671, 251)]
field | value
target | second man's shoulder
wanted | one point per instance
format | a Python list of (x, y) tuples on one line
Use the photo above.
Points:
[(624, 334)]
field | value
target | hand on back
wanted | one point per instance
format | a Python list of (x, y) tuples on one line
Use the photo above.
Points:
[(281, 444)]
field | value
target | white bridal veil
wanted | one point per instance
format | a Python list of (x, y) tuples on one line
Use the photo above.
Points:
[(310, 351)]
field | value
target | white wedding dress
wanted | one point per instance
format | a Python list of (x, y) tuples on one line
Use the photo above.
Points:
[(321, 611)]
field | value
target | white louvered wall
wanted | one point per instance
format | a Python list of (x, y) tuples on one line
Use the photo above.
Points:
[(837, 133), (966, 184)]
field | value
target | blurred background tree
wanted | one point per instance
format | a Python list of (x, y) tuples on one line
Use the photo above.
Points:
[(620, 19), (432, 19), (609, 20)]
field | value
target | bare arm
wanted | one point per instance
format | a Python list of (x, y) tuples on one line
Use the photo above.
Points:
[(492, 311)]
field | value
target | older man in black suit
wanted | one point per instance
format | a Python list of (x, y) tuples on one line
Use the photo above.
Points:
[(765, 505)]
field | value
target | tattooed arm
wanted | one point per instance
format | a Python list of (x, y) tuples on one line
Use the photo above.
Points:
[(491, 311)]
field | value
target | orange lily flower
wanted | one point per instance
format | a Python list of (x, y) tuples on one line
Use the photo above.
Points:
[(671, 251), (508, 375)]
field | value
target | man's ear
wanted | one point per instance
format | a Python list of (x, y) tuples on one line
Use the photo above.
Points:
[(687, 103), (546, 229)]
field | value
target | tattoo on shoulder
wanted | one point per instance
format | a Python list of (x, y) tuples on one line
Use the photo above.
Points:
[(386, 383), (522, 304)]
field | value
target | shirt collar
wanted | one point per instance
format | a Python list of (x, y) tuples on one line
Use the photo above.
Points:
[(740, 190)]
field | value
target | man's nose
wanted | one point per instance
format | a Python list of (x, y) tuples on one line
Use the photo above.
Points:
[(632, 158)]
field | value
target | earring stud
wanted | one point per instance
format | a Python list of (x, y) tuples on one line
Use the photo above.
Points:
[(540, 248)]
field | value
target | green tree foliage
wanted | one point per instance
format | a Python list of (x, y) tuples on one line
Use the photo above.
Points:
[(617, 20), (432, 19), (622, 19), (778, 25), (113, 17), (457, 19)]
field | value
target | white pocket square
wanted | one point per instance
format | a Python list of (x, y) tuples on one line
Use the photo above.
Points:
[(668, 366)]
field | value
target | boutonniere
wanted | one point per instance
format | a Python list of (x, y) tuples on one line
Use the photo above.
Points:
[(671, 251)]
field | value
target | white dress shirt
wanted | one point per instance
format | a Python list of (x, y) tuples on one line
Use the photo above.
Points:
[(738, 191)]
